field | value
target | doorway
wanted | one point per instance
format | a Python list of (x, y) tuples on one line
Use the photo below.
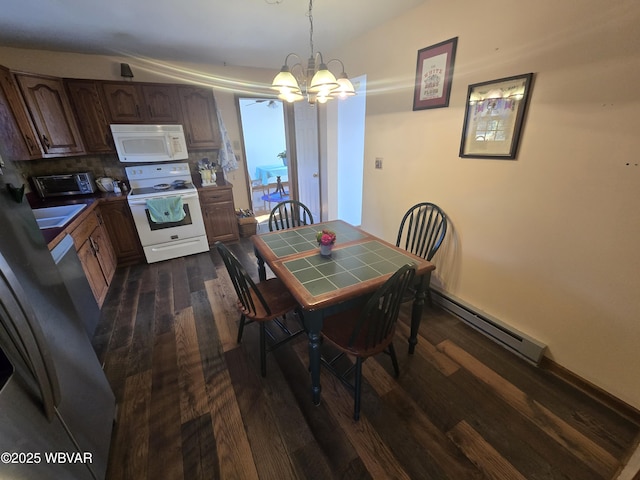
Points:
[(265, 150), (280, 142)]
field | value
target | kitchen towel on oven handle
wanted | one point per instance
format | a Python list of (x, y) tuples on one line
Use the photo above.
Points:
[(165, 209)]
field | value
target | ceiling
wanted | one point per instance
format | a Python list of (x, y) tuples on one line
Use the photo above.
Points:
[(255, 33)]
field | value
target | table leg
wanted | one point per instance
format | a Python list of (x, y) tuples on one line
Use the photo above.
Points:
[(416, 310), (313, 324), (262, 271)]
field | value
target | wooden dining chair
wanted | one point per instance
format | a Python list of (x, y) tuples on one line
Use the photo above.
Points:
[(421, 232), (289, 214), (366, 331), (264, 302)]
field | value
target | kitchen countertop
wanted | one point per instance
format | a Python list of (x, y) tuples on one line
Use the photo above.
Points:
[(53, 236)]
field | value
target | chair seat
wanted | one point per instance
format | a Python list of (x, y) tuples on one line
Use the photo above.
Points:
[(276, 295)]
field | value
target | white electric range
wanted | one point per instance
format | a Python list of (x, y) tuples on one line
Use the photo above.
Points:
[(166, 185)]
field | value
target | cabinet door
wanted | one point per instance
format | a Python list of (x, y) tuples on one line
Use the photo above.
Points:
[(199, 117), (218, 211), (122, 231), (104, 251), (51, 114), (124, 102), (92, 119), (16, 132), (93, 271), (161, 103)]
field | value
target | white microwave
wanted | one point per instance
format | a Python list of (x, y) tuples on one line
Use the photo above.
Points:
[(149, 143)]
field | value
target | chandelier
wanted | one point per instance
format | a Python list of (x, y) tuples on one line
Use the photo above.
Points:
[(315, 81)]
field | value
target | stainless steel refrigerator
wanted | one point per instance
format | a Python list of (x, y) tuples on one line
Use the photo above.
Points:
[(56, 406)]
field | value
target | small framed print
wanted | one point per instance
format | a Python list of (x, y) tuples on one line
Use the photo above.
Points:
[(434, 71), (493, 117)]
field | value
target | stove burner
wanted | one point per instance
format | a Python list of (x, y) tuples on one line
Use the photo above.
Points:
[(162, 186)]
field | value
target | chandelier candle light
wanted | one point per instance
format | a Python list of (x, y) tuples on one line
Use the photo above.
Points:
[(317, 84)]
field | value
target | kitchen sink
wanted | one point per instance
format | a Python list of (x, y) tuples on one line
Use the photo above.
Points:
[(55, 217)]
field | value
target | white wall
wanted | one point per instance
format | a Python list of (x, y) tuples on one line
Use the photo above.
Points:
[(548, 243), (350, 137)]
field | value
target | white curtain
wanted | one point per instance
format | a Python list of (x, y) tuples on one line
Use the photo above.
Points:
[(226, 158)]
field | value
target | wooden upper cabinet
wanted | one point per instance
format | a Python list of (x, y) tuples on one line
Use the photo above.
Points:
[(141, 103), (16, 131), (200, 118), (92, 119), (124, 102), (50, 114), (161, 102)]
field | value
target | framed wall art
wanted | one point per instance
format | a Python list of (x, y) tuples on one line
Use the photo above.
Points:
[(493, 117), (434, 71)]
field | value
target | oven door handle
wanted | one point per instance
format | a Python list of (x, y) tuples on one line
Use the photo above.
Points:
[(144, 201)]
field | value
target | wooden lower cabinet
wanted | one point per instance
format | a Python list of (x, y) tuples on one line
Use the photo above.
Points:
[(219, 214), (122, 231), (96, 254)]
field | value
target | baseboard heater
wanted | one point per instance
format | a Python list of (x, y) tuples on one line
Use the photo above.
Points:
[(519, 343)]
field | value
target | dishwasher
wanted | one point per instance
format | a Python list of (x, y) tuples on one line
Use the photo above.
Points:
[(65, 257)]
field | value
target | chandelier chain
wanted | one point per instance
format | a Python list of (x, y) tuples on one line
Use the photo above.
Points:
[(310, 15)]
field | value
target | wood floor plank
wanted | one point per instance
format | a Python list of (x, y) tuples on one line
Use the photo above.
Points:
[(192, 265), (557, 429), (211, 354), (482, 454), (164, 306), (200, 461), (253, 409), (221, 299), (193, 394), (115, 368), (181, 292), (165, 445), (142, 337), (104, 328), (128, 304), (234, 452), (131, 445)]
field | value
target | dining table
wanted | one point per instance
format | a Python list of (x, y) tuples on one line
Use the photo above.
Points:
[(359, 263)]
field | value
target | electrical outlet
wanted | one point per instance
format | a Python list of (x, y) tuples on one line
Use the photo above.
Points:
[(379, 163)]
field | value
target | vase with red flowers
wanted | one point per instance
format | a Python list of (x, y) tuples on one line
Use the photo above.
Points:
[(326, 239)]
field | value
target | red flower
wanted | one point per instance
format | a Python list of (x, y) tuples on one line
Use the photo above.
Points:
[(326, 237)]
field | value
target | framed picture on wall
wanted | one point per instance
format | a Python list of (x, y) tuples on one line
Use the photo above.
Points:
[(434, 72), (493, 117)]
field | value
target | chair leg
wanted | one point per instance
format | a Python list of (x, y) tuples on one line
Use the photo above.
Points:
[(358, 385), (241, 327), (394, 360), (263, 350)]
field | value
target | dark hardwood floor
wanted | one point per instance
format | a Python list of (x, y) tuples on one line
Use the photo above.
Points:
[(192, 403)]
